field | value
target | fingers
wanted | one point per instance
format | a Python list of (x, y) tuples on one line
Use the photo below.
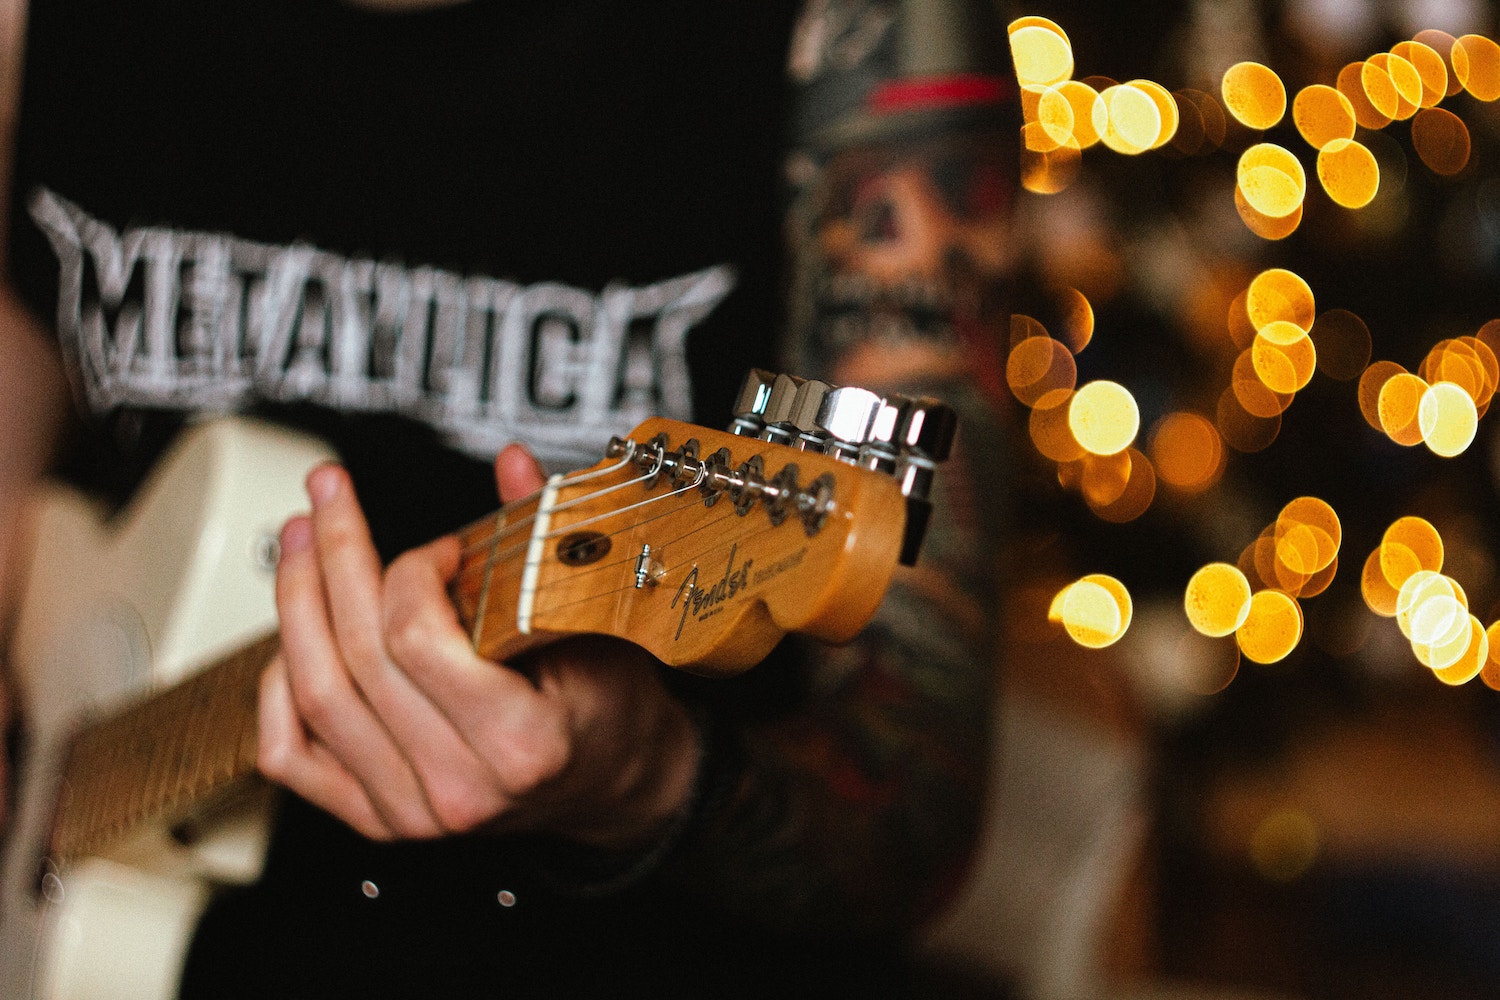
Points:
[(360, 717), (330, 708), (380, 712), (286, 755), (517, 473), (501, 716), (349, 565)]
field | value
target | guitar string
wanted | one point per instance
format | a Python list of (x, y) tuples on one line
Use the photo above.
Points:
[(743, 536), (510, 527), (630, 559), (104, 821), (512, 553), (740, 537), (504, 556), (475, 565)]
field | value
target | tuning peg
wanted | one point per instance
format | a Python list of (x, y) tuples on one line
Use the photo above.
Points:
[(845, 416), (928, 428), (925, 438), (902, 437), (750, 404), (804, 415), (778, 410), (882, 445)]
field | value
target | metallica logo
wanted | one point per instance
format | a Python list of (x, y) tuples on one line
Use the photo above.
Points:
[(160, 317), (700, 602)]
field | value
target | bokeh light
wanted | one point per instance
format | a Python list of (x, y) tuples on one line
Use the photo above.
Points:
[(1322, 114), (1255, 365), (1187, 451), (1441, 140), (1217, 600), (1349, 173), (1104, 417), (1095, 610), (1254, 94), (1135, 122), (1351, 85), (1447, 419), (1272, 629), (1278, 295), (1271, 180), (1040, 51), (1476, 63)]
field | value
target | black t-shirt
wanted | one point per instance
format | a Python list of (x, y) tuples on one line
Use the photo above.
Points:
[(528, 167), (499, 158)]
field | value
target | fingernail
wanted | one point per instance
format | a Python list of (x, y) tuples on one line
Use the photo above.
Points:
[(322, 484), (296, 535)]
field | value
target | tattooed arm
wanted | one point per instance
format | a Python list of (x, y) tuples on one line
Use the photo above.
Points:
[(854, 815)]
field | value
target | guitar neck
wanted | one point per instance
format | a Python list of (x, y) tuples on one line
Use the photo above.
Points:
[(701, 547), (155, 761), (158, 760)]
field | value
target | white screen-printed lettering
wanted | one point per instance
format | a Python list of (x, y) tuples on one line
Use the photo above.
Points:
[(167, 318)]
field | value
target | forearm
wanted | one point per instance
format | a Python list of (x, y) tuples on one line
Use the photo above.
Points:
[(855, 815)]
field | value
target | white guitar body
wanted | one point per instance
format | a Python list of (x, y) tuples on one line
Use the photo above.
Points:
[(111, 610)]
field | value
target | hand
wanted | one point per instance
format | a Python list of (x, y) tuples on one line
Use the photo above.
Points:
[(378, 710)]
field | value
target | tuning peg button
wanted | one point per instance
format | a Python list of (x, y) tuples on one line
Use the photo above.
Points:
[(846, 415), (778, 410), (807, 403), (882, 445), (750, 404), (928, 429)]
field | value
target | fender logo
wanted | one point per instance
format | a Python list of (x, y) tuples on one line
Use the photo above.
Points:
[(699, 601)]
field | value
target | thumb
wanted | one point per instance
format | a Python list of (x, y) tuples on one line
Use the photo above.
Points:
[(517, 473)]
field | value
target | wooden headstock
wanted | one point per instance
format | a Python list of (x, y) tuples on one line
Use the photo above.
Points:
[(701, 546)]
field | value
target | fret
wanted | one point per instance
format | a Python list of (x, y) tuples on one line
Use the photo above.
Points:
[(477, 633)]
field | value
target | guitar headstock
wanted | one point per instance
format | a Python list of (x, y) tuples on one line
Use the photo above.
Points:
[(706, 547)]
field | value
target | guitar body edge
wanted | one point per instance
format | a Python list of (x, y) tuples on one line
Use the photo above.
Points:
[(113, 609)]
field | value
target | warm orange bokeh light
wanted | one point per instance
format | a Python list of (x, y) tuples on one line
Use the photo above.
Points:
[(1348, 173), (1272, 629), (1399, 408), (1442, 141), (1217, 599), (1254, 94), (1188, 451), (1277, 294), (1038, 365), (1351, 85), (1322, 114)]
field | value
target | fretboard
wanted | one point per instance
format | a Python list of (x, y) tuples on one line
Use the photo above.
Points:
[(154, 761)]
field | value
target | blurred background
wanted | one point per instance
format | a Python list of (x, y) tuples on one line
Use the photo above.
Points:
[(1170, 817)]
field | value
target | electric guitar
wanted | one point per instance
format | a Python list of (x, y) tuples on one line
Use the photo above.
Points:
[(141, 638)]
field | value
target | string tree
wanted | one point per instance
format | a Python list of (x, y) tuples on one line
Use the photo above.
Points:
[(648, 569)]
